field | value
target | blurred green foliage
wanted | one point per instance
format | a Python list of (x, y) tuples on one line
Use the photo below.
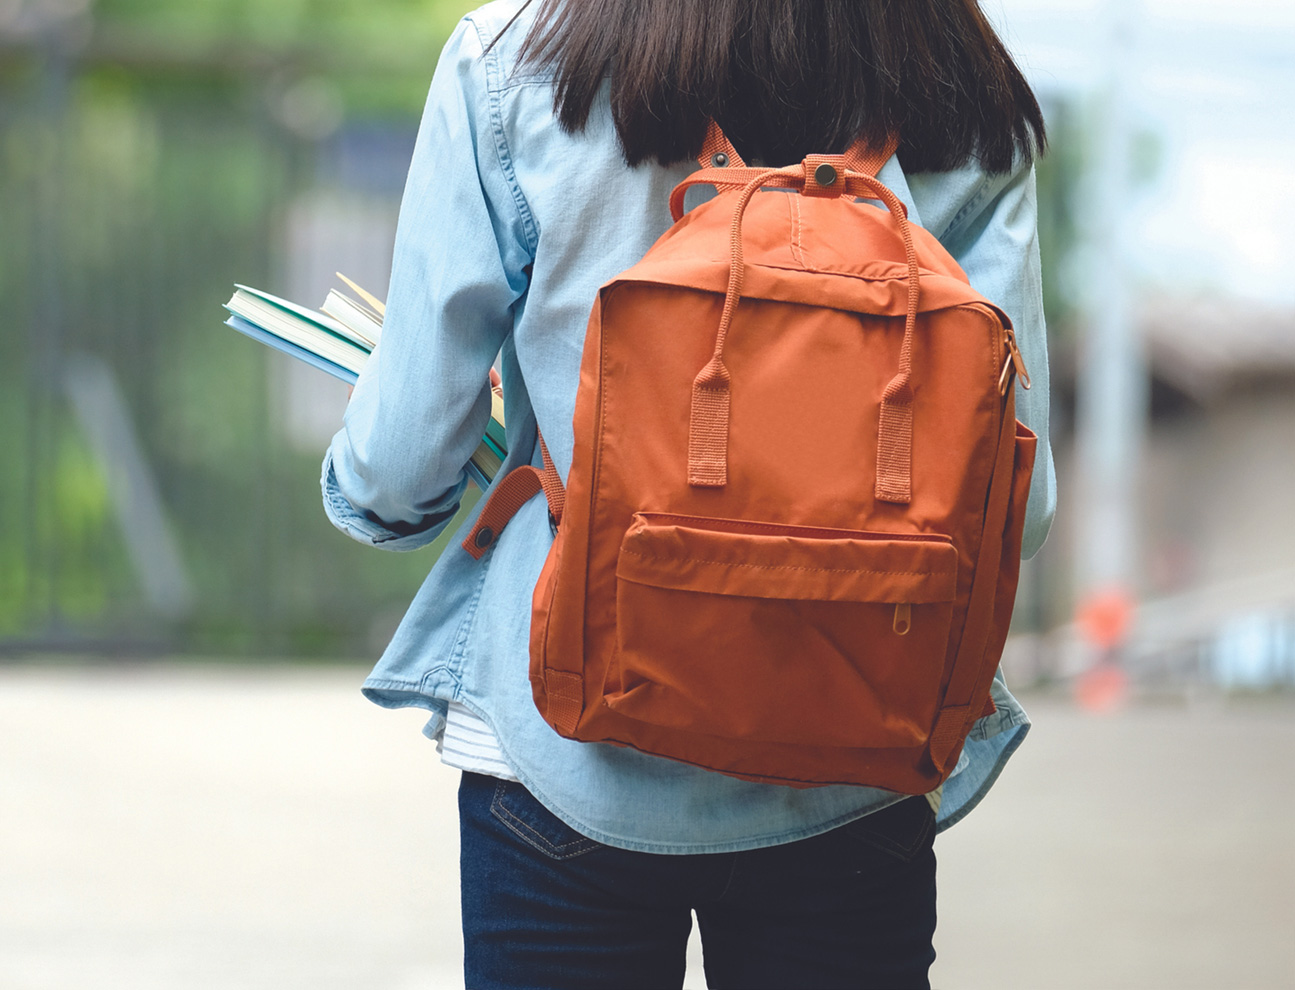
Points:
[(378, 53), (386, 32), (139, 178)]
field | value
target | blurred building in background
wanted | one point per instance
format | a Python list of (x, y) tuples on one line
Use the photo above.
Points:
[(1179, 413), (159, 483)]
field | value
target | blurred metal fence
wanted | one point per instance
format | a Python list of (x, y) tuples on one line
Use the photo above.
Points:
[(151, 494)]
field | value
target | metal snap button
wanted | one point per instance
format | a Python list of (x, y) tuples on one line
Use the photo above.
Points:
[(485, 537), (825, 174), (719, 159)]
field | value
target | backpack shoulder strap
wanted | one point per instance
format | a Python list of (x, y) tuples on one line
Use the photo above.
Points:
[(717, 151), (723, 168), (513, 491)]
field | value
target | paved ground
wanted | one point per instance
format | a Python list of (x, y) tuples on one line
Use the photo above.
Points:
[(267, 829)]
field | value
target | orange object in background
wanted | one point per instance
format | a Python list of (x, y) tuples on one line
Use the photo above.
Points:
[(1104, 617)]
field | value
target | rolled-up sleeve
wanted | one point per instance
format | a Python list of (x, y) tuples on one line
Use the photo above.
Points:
[(394, 474), (989, 223)]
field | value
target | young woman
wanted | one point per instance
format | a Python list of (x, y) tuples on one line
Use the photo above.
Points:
[(553, 134)]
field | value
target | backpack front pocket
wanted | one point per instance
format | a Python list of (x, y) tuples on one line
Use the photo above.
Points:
[(775, 633)]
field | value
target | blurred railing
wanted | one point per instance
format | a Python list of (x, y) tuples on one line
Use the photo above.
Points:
[(154, 491)]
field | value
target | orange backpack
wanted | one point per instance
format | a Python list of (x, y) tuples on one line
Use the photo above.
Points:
[(788, 546)]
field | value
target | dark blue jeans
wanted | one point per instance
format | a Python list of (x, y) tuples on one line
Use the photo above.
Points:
[(545, 907)]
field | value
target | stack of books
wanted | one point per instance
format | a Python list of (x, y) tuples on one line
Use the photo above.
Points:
[(338, 339)]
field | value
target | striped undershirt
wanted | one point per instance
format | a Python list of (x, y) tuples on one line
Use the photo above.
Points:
[(470, 744)]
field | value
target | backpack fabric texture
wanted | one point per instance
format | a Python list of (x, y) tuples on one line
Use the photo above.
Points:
[(788, 546)]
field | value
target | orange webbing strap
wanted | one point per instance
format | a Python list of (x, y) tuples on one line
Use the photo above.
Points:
[(947, 734), (708, 425), (514, 491), (717, 150), (723, 167), (895, 434), (951, 725), (554, 491), (859, 157), (565, 694), (868, 160), (709, 422), (720, 178)]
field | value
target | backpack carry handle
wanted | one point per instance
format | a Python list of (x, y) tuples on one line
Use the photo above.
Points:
[(709, 415)]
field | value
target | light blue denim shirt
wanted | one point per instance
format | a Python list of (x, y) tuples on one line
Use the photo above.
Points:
[(507, 228)]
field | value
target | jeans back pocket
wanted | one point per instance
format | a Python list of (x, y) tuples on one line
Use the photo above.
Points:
[(519, 811)]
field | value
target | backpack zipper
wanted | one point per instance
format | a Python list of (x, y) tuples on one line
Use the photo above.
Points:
[(1013, 360)]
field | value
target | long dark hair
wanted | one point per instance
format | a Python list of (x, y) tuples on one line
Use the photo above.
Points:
[(787, 78)]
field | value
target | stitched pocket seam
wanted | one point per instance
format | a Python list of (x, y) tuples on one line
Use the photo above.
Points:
[(523, 831), (904, 853)]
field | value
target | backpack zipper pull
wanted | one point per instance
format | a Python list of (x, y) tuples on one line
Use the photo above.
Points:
[(1013, 360), (903, 618)]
